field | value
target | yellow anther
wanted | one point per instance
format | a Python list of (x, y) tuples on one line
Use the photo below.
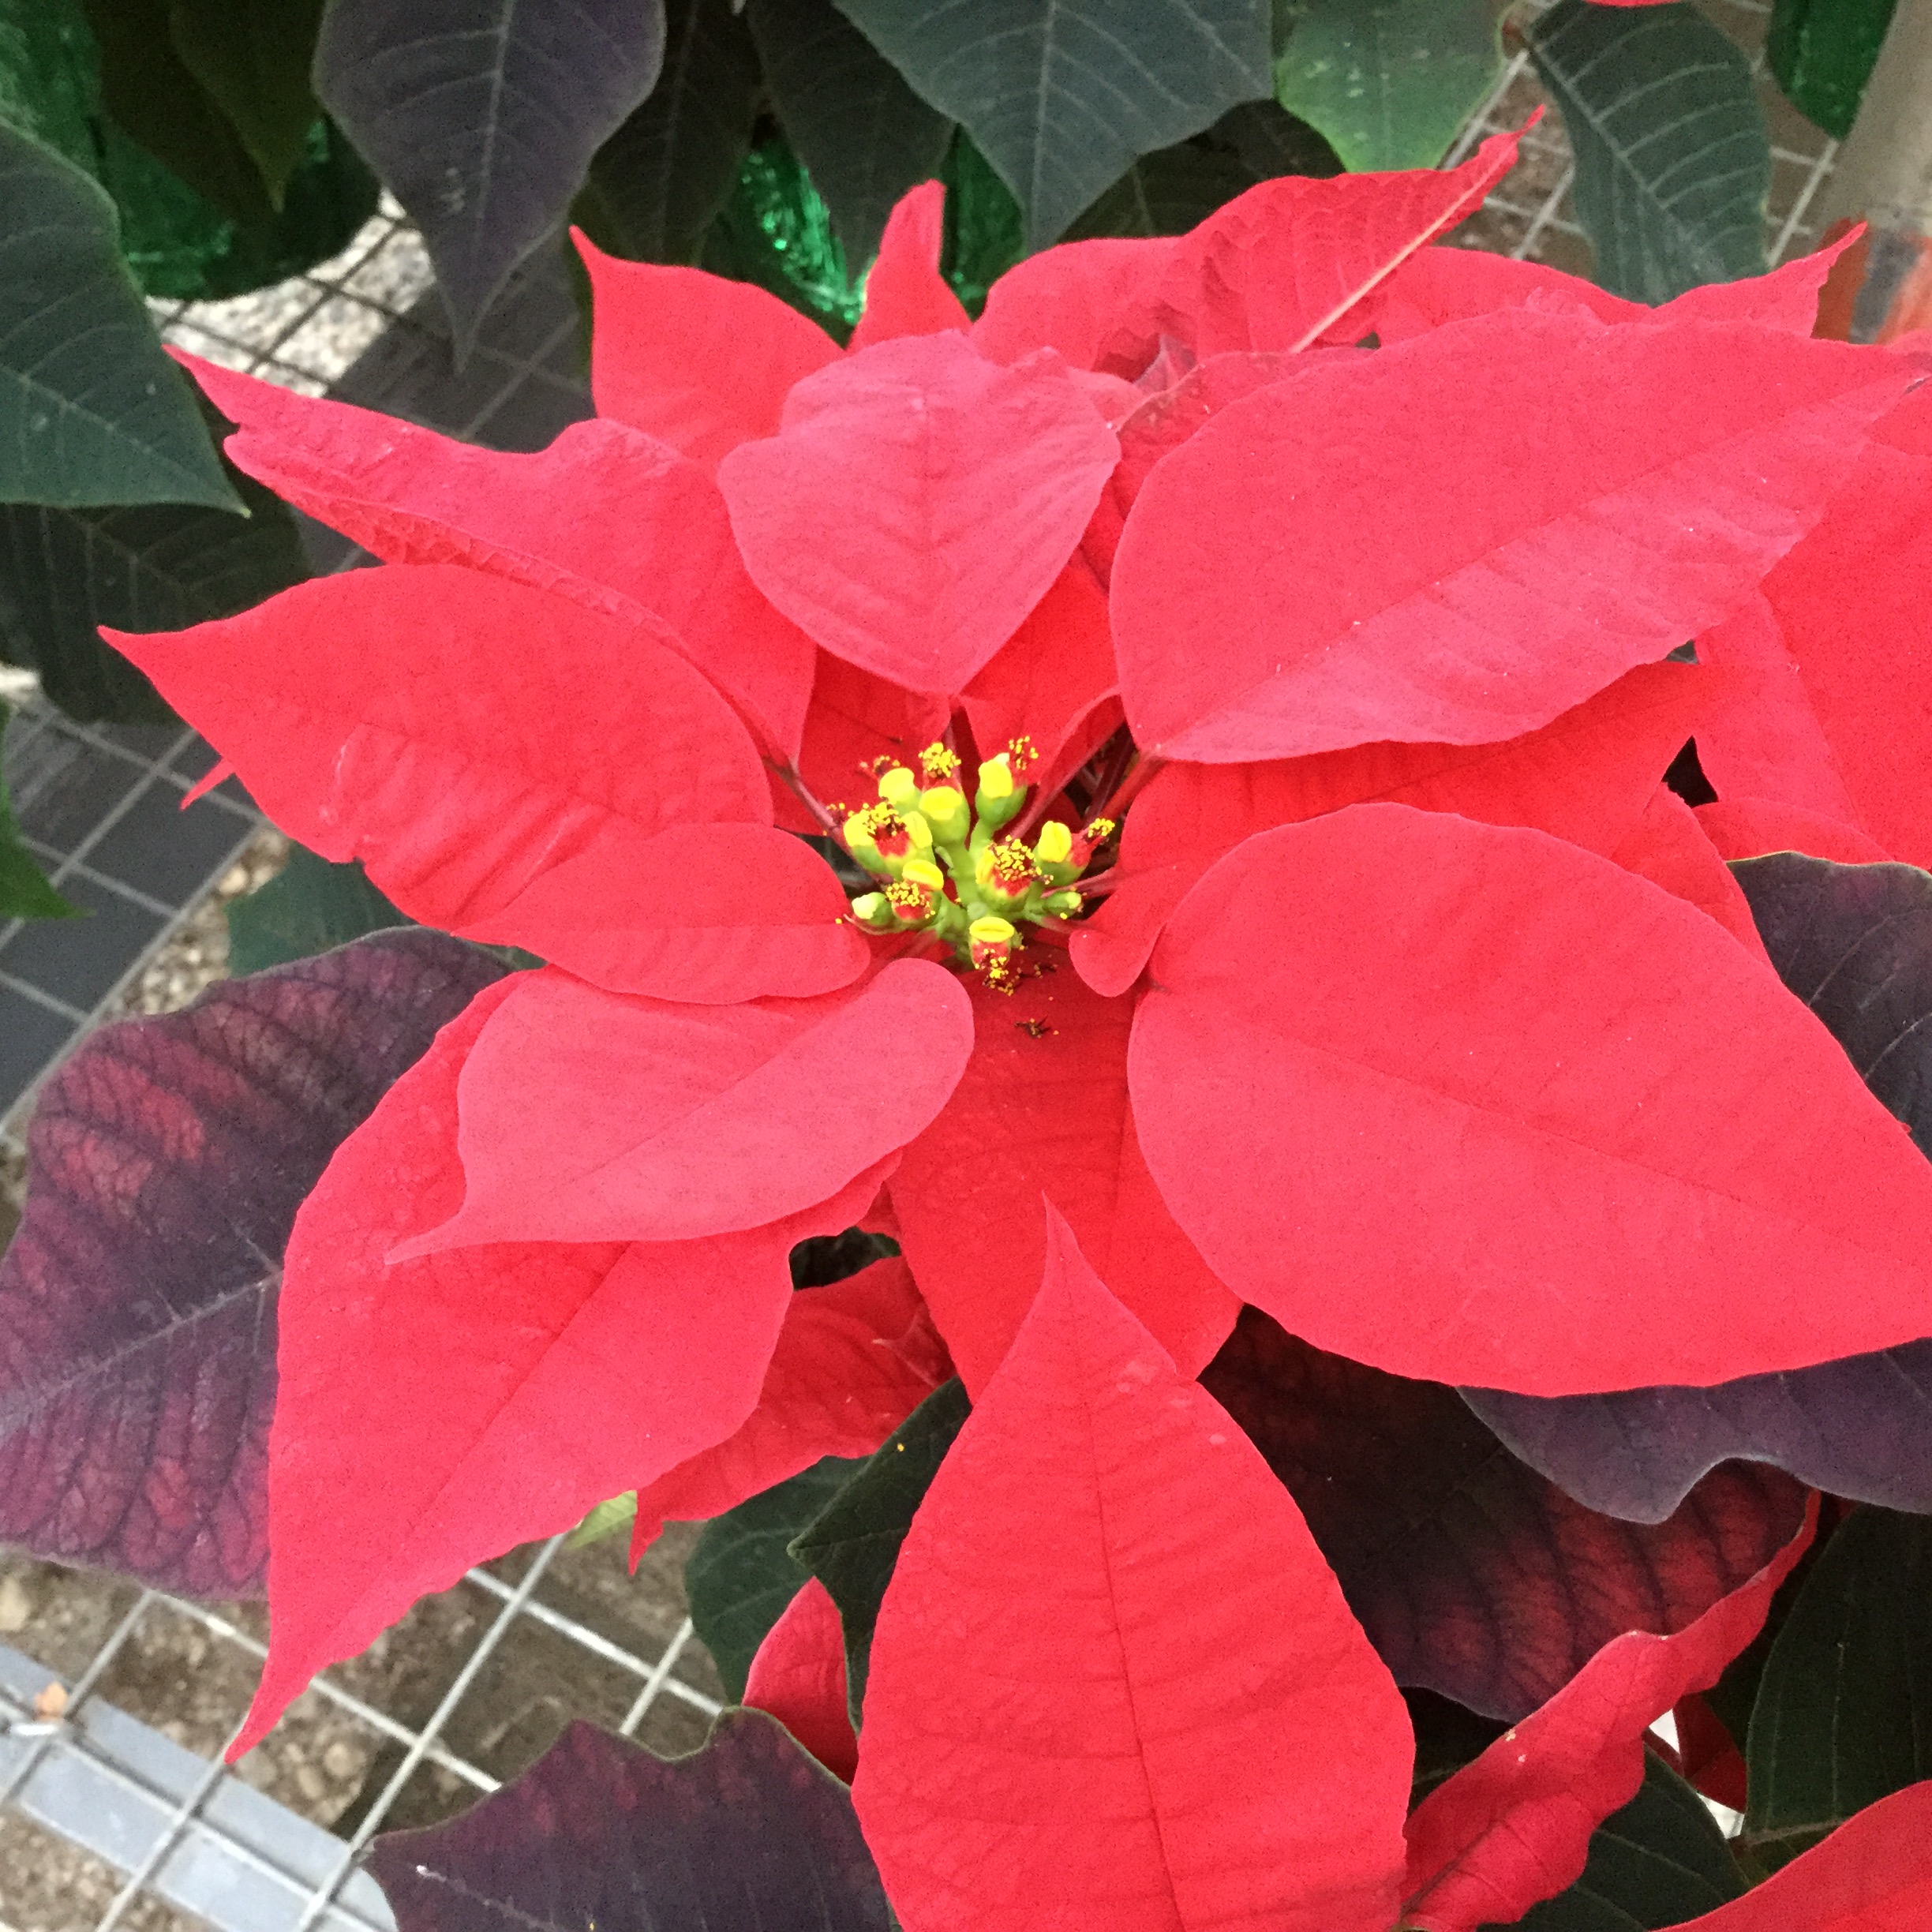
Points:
[(945, 808), (921, 872), (911, 904), (996, 778), (1021, 754), (1055, 842), (1006, 867), (1099, 832), (939, 763), (899, 788)]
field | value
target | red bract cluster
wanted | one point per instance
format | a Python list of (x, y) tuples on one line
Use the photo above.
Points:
[(1318, 936)]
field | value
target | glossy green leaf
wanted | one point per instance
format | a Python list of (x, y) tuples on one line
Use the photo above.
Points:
[(149, 90), (658, 182), (865, 136), (1388, 82), (1844, 1715), (309, 907), (91, 411), (1062, 95), (156, 566), (1658, 1862), (739, 1577), (25, 892), (1673, 162), (49, 75), (1822, 52), (252, 58), (854, 1543)]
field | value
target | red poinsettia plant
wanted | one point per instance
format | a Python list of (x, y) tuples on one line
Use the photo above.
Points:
[(1155, 800)]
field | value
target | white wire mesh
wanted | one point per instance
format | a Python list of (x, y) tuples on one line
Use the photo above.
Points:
[(203, 1836)]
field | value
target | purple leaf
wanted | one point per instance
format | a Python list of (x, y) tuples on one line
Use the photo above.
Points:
[(747, 1833), (165, 1165), (1855, 944), (1473, 1575)]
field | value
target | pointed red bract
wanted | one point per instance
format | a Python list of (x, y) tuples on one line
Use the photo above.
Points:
[(1872, 1875), (1586, 777), (1052, 682), (1074, 298), (1114, 1687), (660, 1120), (698, 361), (1746, 828), (1297, 261), (460, 734), (1044, 1105), (606, 516), (799, 1676), (712, 914), (918, 502), (854, 720), (1474, 1105), (905, 295), (1361, 555), (1514, 1826), (854, 1359), (1669, 847), (434, 1414)]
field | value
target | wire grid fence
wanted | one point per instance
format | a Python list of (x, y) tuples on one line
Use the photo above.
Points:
[(171, 1826)]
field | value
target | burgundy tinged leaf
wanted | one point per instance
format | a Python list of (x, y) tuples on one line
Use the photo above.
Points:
[(746, 1832), (166, 1162), (1113, 1686), (1356, 554), (1513, 1826), (1855, 944), (1468, 1105), (1473, 1575)]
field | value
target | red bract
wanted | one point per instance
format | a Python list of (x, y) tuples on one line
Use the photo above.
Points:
[(1413, 1011)]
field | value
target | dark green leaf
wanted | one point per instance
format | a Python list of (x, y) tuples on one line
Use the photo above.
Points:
[(1389, 82), (1062, 95), (739, 1577), (91, 411), (49, 75), (984, 234), (1822, 52), (1168, 192), (1844, 1715), (482, 117), (1659, 1861), (148, 89), (1672, 159), (1447, 1736), (853, 1544), (658, 182), (747, 1834), (25, 892), (309, 907), (252, 57), (864, 134), (63, 573)]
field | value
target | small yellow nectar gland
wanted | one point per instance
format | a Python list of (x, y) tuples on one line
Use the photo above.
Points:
[(944, 809), (996, 778), (1054, 843), (992, 941), (938, 764), (922, 872), (899, 788)]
